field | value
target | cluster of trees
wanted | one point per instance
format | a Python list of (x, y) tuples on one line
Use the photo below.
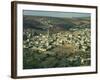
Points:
[(36, 59)]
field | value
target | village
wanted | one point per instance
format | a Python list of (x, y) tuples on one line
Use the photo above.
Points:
[(79, 38), (73, 47)]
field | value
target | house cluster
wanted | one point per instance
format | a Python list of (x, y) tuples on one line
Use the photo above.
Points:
[(44, 42)]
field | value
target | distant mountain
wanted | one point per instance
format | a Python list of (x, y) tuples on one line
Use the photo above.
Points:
[(53, 23)]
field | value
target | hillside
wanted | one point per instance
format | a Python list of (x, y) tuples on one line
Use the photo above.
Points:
[(43, 23), (50, 42)]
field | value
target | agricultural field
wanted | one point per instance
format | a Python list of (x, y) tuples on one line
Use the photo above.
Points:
[(50, 42)]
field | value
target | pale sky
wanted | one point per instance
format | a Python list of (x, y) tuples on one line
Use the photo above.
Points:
[(55, 14)]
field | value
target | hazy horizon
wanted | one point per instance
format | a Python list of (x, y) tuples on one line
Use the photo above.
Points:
[(55, 14)]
